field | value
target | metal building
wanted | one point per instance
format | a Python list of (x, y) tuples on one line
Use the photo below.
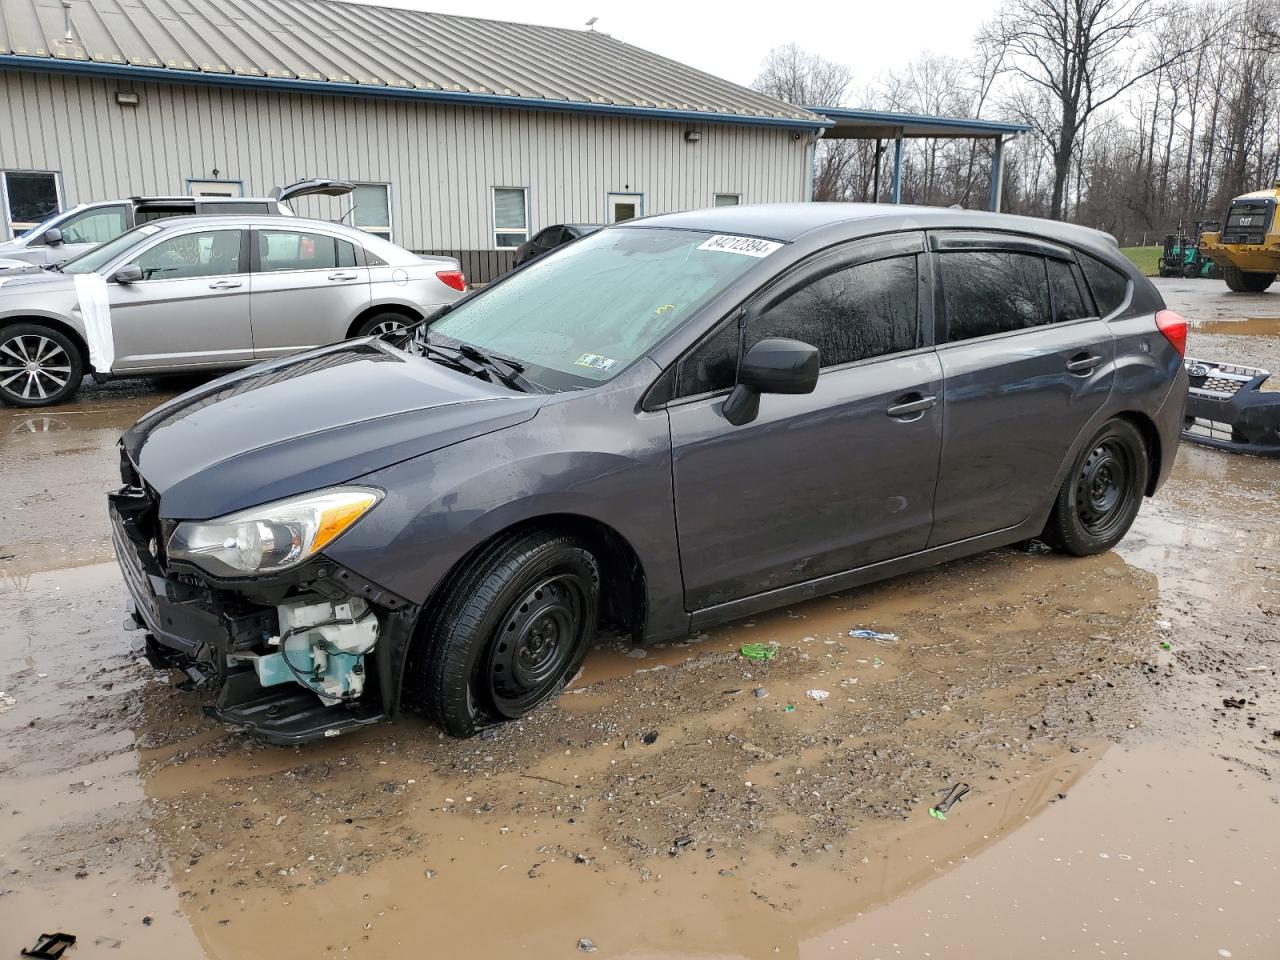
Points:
[(465, 135)]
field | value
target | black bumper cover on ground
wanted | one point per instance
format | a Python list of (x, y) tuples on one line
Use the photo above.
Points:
[(1228, 409)]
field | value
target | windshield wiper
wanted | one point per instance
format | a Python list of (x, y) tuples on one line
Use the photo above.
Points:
[(507, 371)]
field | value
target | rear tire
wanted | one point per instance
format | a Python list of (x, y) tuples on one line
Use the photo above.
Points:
[(511, 631), (39, 366), (381, 324), (1241, 281), (1102, 493)]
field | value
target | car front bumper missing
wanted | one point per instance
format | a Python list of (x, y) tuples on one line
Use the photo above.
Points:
[(219, 632)]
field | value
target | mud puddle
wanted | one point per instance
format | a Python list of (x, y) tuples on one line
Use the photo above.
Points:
[(1116, 718), (1251, 327)]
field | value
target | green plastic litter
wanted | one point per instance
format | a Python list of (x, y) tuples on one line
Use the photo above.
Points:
[(936, 814), (789, 708), (1166, 645), (758, 651)]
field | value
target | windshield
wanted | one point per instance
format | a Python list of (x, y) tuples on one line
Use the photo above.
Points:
[(583, 314), (98, 257)]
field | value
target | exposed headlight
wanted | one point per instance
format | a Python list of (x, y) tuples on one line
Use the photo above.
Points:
[(271, 537)]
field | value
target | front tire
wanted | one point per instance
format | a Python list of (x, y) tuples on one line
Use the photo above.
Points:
[(1241, 281), (511, 631), (1100, 497), (39, 366)]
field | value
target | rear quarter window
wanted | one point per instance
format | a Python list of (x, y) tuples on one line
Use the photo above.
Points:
[(1108, 285)]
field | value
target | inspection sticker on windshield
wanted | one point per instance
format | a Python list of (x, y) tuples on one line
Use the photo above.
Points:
[(596, 362), (745, 246)]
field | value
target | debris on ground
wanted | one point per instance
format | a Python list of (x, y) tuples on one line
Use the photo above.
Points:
[(758, 651), (6, 702), (818, 695), (650, 738), (789, 708), (586, 946), (939, 811), (50, 946), (760, 693), (876, 635)]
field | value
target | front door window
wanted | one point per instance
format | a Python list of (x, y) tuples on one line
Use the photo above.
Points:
[(94, 226), (209, 253)]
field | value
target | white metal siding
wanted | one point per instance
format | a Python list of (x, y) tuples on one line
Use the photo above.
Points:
[(442, 161)]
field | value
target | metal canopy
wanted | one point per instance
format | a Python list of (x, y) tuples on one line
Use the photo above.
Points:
[(880, 125)]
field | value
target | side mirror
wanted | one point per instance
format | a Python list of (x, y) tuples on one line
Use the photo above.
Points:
[(53, 237), (773, 365), (129, 273)]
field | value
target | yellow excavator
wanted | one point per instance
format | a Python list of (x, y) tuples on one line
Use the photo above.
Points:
[(1248, 245)]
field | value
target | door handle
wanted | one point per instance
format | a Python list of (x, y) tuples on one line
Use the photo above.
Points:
[(342, 276), (911, 403), (225, 285), (1083, 363)]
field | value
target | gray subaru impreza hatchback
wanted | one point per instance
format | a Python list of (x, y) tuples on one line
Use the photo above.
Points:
[(666, 425)]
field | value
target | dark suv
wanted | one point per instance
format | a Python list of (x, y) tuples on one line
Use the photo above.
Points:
[(671, 423)]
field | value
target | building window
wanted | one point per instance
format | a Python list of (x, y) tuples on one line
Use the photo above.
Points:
[(373, 209), (625, 206), (728, 199), (30, 197), (510, 216), (215, 188)]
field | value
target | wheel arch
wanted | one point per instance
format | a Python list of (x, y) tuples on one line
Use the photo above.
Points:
[(66, 329), (1151, 437)]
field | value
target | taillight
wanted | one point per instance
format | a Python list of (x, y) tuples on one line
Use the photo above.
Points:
[(1174, 328), (453, 278)]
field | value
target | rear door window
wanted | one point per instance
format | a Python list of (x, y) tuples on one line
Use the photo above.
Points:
[(293, 250), (987, 292), (867, 310), (1108, 284)]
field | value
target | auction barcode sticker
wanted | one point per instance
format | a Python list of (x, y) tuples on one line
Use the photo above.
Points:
[(745, 246)]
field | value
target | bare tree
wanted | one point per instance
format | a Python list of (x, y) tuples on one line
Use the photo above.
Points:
[(804, 79), (1072, 58), (807, 80)]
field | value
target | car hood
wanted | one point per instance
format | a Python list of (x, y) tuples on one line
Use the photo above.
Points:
[(307, 422), (15, 282)]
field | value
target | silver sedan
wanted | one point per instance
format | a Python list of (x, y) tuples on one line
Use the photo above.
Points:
[(207, 293)]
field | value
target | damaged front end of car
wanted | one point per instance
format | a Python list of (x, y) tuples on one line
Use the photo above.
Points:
[(297, 646)]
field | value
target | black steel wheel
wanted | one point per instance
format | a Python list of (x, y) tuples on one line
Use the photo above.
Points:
[(542, 633), (511, 630), (39, 366), (1100, 497)]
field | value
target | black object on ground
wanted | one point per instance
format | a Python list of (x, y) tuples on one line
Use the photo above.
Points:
[(953, 796), (50, 946)]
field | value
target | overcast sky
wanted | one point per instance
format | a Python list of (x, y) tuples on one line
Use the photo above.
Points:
[(730, 39)]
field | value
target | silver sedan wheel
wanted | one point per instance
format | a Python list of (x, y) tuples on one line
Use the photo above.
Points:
[(386, 327), (33, 367)]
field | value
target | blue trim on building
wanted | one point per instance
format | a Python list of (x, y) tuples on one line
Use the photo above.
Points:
[(990, 128), (331, 88)]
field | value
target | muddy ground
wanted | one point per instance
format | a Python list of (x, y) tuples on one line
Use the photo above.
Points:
[(1117, 719)]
